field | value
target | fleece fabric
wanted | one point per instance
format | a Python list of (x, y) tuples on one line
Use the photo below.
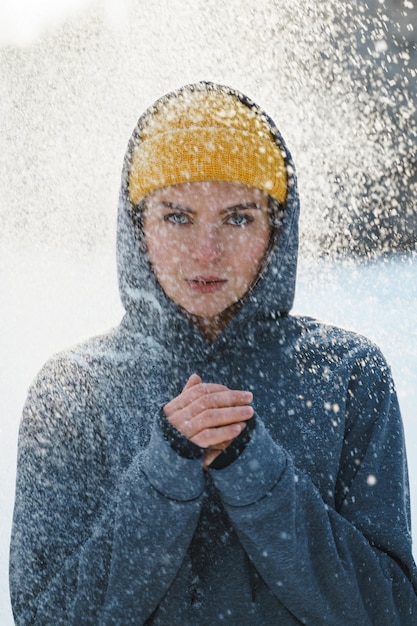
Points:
[(309, 525)]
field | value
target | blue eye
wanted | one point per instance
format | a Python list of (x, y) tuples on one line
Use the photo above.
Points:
[(177, 218), (239, 219)]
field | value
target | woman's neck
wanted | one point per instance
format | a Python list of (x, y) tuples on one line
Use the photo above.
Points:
[(212, 327)]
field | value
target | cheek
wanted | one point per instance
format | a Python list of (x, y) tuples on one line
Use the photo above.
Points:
[(248, 258), (253, 248), (163, 250), (166, 259)]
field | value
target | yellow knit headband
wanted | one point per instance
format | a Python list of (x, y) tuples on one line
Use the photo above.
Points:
[(202, 136)]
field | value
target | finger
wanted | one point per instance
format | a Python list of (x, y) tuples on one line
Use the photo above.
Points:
[(187, 396), (213, 452), (211, 437), (217, 409), (213, 418), (192, 381), (219, 399), (221, 446), (209, 456)]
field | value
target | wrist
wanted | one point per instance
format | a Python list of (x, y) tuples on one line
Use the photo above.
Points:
[(235, 449), (177, 441)]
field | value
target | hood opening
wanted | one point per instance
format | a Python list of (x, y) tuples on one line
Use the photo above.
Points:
[(273, 290)]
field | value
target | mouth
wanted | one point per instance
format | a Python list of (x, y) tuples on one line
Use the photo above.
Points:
[(206, 284)]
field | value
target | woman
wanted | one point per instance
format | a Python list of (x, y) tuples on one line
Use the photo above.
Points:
[(213, 459)]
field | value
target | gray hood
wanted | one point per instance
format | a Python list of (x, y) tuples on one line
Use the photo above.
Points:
[(143, 298)]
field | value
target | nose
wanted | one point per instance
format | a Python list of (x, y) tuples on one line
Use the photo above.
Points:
[(207, 246)]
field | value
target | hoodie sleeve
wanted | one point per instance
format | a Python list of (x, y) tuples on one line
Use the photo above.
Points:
[(78, 536), (350, 563)]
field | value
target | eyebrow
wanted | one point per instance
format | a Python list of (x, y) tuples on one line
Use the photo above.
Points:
[(175, 206), (242, 206)]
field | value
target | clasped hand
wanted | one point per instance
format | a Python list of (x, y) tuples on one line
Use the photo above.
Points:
[(209, 415)]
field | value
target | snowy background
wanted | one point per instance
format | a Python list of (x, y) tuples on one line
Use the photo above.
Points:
[(74, 77)]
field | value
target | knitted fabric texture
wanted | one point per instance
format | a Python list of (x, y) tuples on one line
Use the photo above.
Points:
[(205, 134)]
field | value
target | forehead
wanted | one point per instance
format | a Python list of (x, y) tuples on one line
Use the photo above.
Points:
[(214, 192)]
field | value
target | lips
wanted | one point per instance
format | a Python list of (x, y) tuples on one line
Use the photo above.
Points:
[(206, 284)]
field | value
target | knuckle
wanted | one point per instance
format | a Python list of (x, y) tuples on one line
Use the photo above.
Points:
[(202, 439), (204, 403), (204, 389), (204, 421), (209, 415), (186, 428), (182, 422)]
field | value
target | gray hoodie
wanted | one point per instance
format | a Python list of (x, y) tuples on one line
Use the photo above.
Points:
[(309, 525)]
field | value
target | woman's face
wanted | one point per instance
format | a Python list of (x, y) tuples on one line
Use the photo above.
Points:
[(206, 242)]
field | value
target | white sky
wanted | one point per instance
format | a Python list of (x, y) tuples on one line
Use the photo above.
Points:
[(22, 22)]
